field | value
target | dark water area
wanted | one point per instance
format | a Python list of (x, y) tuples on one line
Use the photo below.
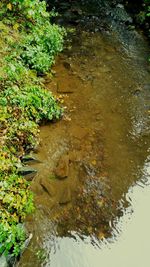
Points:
[(92, 186)]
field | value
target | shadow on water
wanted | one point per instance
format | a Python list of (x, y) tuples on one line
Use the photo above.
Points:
[(92, 187)]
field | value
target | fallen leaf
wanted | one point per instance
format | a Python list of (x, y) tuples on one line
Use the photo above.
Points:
[(101, 235), (93, 162), (9, 6)]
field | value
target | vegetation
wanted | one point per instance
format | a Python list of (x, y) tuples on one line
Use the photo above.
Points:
[(141, 13), (28, 45), (143, 17)]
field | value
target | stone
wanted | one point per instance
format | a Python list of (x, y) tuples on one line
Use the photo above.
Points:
[(47, 186), (65, 196), (67, 65), (137, 92), (26, 171), (27, 241), (66, 86), (3, 261), (36, 188), (29, 158), (120, 14), (75, 156), (62, 169), (79, 132)]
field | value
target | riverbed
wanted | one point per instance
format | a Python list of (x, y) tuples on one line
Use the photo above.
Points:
[(92, 186)]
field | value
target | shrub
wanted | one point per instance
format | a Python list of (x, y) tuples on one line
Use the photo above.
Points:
[(29, 9), (42, 45), (29, 44)]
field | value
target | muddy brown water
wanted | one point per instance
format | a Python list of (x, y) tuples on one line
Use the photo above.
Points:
[(91, 189)]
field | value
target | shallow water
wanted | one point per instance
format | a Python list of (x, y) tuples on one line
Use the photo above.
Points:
[(98, 214), (129, 245)]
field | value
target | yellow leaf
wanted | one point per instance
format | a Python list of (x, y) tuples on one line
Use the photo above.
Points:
[(101, 235), (16, 26), (100, 203), (9, 6), (93, 162)]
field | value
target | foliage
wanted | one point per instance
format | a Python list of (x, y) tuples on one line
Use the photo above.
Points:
[(42, 45), (143, 12), (28, 44), (12, 238), (44, 40), (35, 102), (28, 9), (16, 201)]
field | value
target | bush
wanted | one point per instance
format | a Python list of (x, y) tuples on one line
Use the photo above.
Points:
[(44, 40), (34, 102), (32, 10), (29, 44), (42, 45)]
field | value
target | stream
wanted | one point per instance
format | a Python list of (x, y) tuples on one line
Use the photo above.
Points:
[(92, 187)]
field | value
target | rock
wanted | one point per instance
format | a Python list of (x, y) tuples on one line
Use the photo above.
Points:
[(137, 92), (66, 86), (67, 65), (29, 158), (47, 186), (26, 171), (120, 14), (27, 241), (62, 169), (65, 196), (36, 188), (11, 260), (3, 261), (41, 74), (76, 156), (79, 132)]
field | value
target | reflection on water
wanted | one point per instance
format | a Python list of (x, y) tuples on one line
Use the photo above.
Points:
[(129, 245)]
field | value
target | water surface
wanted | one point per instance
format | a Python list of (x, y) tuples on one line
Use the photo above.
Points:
[(98, 214)]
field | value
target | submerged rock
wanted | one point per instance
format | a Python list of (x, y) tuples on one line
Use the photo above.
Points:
[(119, 13), (67, 65), (47, 186), (79, 132), (27, 241), (62, 169), (65, 196), (65, 87)]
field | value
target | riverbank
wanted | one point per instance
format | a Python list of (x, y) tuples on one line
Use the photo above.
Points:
[(28, 44), (89, 159)]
